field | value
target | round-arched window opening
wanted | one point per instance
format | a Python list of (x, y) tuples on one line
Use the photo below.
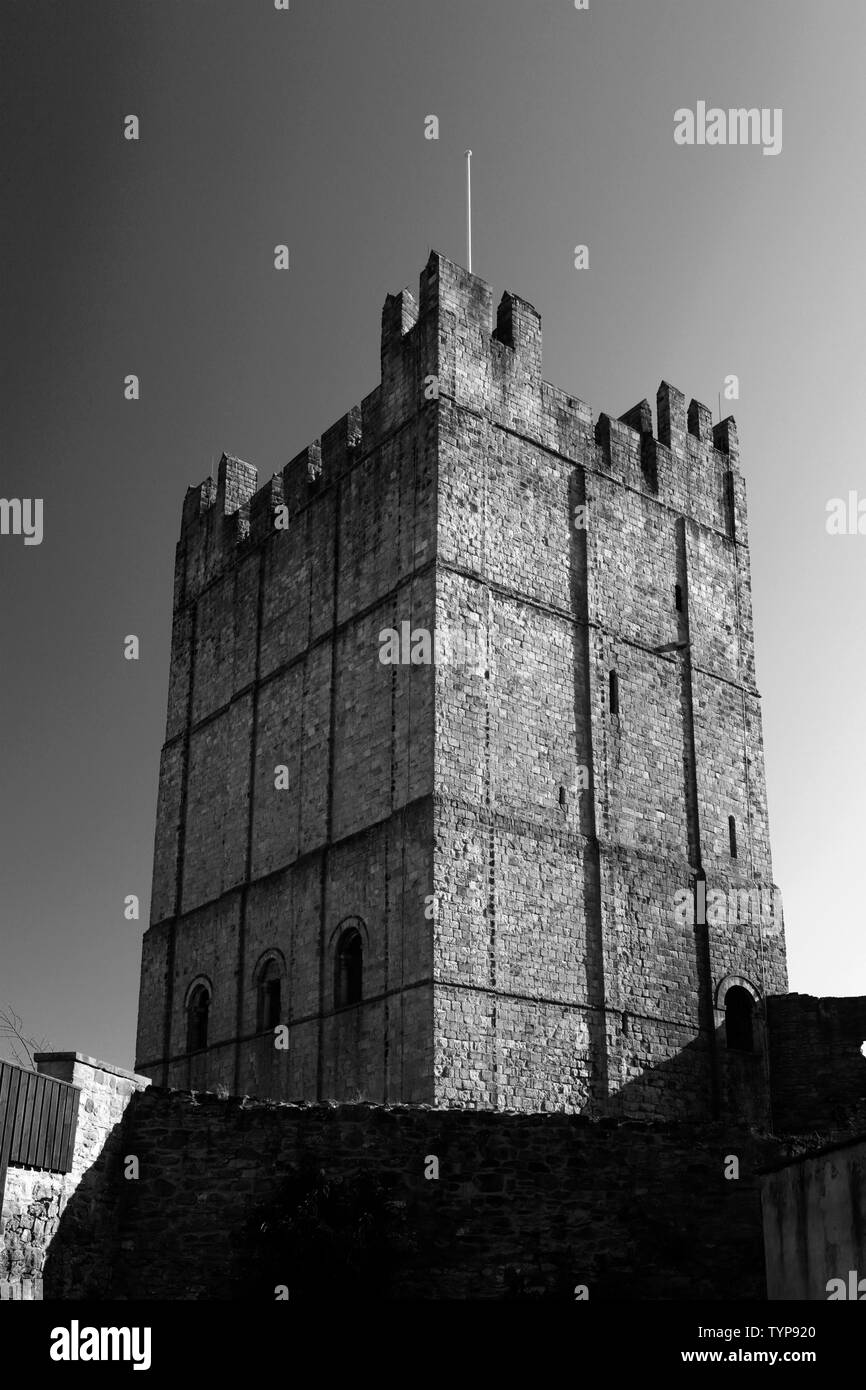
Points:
[(269, 996), (739, 1019), (197, 1010), (349, 969)]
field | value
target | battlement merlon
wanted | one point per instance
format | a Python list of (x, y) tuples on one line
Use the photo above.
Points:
[(680, 429), (688, 463), (234, 486)]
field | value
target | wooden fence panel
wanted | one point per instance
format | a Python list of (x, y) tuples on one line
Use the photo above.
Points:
[(38, 1119)]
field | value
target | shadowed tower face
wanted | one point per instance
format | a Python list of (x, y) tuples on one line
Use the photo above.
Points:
[(462, 797)]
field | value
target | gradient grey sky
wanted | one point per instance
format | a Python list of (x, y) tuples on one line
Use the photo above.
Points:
[(307, 127)]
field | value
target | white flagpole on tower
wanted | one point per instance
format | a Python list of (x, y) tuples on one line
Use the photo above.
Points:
[(469, 210)]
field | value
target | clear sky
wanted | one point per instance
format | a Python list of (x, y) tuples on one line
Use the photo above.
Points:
[(306, 127)]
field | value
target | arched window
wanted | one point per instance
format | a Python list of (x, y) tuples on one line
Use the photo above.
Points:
[(739, 1013), (349, 968), (197, 1009), (268, 996)]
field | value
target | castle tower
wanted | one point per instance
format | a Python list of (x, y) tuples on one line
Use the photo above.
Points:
[(462, 796)]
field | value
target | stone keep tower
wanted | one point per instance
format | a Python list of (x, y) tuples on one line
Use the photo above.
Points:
[(472, 880)]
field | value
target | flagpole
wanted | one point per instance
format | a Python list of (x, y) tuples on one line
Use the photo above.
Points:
[(469, 210)]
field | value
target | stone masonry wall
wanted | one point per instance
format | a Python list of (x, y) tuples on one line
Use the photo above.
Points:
[(36, 1203), (523, 1205), (275, 662), (818, 1070), (564, 977)]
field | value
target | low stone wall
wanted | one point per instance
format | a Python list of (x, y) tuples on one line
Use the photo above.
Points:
[(35, 1201), (238, 1199)]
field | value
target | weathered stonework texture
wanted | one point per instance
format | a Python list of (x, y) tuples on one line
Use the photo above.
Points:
[(522, 945)]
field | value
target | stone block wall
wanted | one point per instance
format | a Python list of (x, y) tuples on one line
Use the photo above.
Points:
[(527, 1206), (564, 976), (275, 663), (36, 1203), (817, 1067)]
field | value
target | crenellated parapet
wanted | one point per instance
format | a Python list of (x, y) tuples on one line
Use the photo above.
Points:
[(686, 462), (445, 347)]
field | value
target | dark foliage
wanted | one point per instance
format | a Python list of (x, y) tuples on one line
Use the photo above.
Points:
[(325, 1237)]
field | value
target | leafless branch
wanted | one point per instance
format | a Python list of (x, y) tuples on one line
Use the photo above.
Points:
[(22, 1046)]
